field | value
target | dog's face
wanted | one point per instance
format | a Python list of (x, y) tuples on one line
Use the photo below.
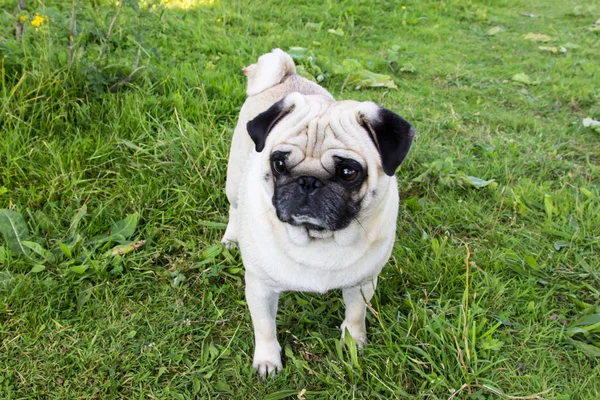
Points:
[(324, 162), (321, 192)]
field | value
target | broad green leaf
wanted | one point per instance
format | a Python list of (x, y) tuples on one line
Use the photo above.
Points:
[(301, 53), (522, 78), (234, 271), (537, 37), (14, 229), (211, 252), (338, 31), (588, 320), (314, 25), (529, 260), (493, 31), (65, 249), (39, 250), (347, 67), (574, 331), (196, 386), (79, 269), (289, 353), (222, 387), (589, 194), (302, 71), (6, 279), (490, 344), (100, 238), (37, 268), (178, 278), (588, 349), (371, 79), (551, 49), (414, 203), (409, 68), (479, 183), (125, 228), (392, 55)]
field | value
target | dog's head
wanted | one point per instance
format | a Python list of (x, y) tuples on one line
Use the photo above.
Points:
[(325, 162)]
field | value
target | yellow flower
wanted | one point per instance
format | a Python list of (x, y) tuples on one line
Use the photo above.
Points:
[(23, 18), (404, 7), (38, 20), (219, 20)]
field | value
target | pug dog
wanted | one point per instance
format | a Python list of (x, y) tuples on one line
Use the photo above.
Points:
[(313, 196)]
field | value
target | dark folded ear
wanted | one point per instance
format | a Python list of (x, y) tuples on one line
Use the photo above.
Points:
[(263, 123), (391, 134)]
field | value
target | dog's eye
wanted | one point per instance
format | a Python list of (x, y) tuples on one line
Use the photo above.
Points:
[(279, 166), (348, 174)]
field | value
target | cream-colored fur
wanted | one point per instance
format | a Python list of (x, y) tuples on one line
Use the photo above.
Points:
[(281, 257)]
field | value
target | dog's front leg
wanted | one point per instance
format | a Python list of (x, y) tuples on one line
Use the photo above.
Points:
[(262, 302), (355, 299)]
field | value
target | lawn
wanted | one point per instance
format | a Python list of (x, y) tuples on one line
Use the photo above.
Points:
[(115, 121)]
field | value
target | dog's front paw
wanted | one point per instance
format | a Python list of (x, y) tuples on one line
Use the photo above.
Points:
[(267, 359), (229, 239), (357, 331), (229, 244)]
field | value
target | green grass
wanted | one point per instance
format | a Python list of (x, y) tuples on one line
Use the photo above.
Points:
[(168, 320)]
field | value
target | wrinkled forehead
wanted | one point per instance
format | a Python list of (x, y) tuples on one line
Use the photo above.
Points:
[(322, 130)]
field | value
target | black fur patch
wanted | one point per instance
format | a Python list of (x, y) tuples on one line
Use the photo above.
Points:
[(392, 136), (263, 123)]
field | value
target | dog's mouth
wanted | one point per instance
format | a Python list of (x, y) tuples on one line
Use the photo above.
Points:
[(320, 233), (308, 222), (314, 227)]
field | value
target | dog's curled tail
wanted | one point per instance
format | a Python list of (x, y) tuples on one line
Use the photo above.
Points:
[(269, 71)]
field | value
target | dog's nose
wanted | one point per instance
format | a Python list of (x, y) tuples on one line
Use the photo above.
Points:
[(309, 184)]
